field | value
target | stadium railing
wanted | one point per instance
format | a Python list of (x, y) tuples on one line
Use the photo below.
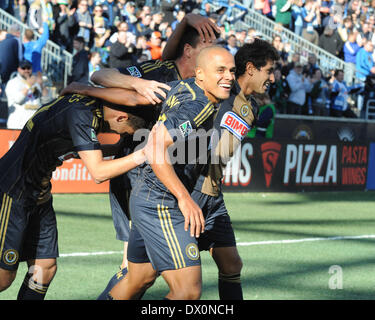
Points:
[(269, 28), (56, 63)]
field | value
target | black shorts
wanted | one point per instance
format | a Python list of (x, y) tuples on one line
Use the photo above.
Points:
[(119, 194), (26, 232), (218, 229)]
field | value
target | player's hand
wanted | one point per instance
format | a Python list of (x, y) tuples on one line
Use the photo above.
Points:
[(193, 216), (149, 89), (74, 87), (203, 25)]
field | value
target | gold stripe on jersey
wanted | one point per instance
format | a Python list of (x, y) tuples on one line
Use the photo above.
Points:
[(204, 114), (30, 123), (173, 240), (90, 102), (152, 66), (174, 235), (4, 218), (166, 237), (191, 91)]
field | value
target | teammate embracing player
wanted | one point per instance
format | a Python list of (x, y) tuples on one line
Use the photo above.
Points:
[(254, 63)]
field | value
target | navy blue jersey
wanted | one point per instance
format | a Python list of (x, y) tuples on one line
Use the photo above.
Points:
[(56, 132), (162, 71), (185, 110)]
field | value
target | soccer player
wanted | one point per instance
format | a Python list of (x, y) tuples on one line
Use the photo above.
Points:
[(65, 128), (192, 35), (160, 203), (255, 72)]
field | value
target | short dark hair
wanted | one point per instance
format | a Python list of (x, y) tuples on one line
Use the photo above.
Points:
[(258, 52), (139, 117), (190, 36), (337, 71), (79, 39)]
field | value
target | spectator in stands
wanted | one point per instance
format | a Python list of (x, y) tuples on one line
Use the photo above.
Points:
[(351, 48), (232, 44), (83, 19), (33, 49), (285, 70), (297, 17), (112, 12), (101, 28), (354, 7), (319, 94), (180, 15), (299, 85), (366, 33), (228, 17), (339, 96), (34, 16), (143, 52), (129, 13), (282, 49), (241, 36), (143, 26), (80, 68), (94, 63), (205, 9), (311, 66), (284, 13), (65, 24), (311, 21), (157, 23), (264, 125), (21, 8), (279, 92), (331, 41), (364, 61), (155, 45), (24, 93), (122, 52), (345, 28), (123, 26), (10, 54)]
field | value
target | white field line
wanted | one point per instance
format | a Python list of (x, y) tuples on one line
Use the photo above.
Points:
[(255, 243)]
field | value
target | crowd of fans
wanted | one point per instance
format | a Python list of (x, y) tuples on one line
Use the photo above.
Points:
[(119, 33)]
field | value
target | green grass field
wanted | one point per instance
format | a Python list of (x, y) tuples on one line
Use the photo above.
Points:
[(288, 242)]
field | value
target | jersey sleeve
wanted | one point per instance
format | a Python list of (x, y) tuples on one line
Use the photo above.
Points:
[(183, 120), (82, 125)]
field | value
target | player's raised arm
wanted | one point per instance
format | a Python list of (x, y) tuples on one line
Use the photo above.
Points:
[(205, 27), (120, 96), (112, 78), (157, 155)]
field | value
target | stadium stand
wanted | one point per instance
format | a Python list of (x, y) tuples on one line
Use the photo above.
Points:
[(276, 21)]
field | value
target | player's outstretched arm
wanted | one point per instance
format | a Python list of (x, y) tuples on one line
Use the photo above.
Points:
[(120, 96), (205, 27), (102, 170), (112, 78), (157, 155)]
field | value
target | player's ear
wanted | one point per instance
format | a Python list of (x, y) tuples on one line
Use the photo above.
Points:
[(187, 50), (199, 73), (123, 117), (250, 68)]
